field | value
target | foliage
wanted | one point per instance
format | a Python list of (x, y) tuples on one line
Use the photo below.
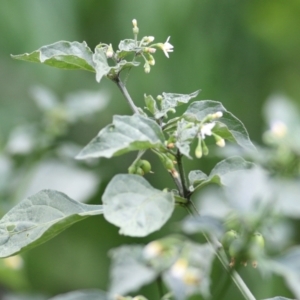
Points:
[(176, 262)]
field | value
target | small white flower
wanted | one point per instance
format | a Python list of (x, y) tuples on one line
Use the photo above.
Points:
[(152, 250), (166, 47), (278, 129), (206, 129)]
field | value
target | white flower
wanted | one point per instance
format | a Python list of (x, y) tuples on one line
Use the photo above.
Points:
[(166, 47), (278, 129), (206, 129)]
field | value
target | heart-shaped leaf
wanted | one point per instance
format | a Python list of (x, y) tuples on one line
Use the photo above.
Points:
[(63, 55), (126, 133), (132, 204), (38, 218)]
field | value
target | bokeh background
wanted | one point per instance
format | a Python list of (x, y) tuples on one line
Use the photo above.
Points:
[(237, 52)]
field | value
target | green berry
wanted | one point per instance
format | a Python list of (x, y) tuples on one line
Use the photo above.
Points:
[(145, 165), (228, 238), (139, 171), (257, 244), (132, 169)]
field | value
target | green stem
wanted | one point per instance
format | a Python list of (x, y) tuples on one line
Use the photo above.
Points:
[(185, 191), (160, 287), (125, 93), (236, 278)]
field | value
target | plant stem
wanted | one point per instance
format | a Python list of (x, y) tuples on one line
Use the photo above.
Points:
[(124, 91), (160, 287), (182, 174), (233, 274)]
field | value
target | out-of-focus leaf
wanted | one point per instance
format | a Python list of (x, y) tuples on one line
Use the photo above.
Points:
[(198, 110), (207, 224), (190, 274), (220, 171), (38, 218), (132, 204), (82, 295), (126, 133), (170, 101), (63, 55), (129, 271), (279, 298), (161, 254)]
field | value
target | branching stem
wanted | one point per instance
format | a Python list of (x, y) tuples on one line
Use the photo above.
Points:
[(181, 184)]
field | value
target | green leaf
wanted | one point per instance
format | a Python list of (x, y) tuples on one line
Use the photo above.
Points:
[(186, 132), (126, 47), (198, 110), (169, 101), (129, 271), (122, 65), (151, 104), (82, 295), (38, 218), (63, 55), (196, 176), (101, 66), (132, 204), (126, 133), (219, 172)]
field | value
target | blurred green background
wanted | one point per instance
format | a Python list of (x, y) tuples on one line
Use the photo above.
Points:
[(237, 52)]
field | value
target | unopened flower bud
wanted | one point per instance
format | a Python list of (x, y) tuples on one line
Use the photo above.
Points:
[(149, 50), (135, 28), (198, 150), (109, 51), (217, 115), (134, 23), (151, 60), (219, 141), (159, 97), (204, 148), (147, 68), (149, 39)]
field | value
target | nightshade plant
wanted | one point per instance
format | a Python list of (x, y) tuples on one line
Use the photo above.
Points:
[(130, 202)]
